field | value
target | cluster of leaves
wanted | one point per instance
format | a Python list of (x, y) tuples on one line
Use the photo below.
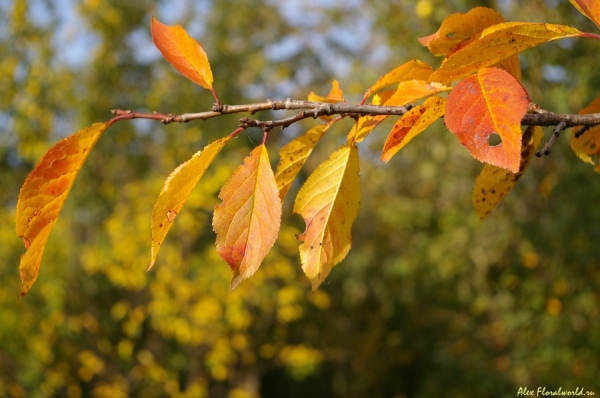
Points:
[(480, 53)]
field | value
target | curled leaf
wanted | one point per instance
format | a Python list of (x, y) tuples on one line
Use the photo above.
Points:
[(494, 183), (43, 194), (183, 52), (497, 43), (293, 156), (414, 90), (412, 123), (177, 189), (492, 102), (458, 30), (411, 70), (247, 221), (329, 203), (587, 145)]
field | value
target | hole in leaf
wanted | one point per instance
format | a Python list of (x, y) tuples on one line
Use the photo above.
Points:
[(494, 139), (451, 35)]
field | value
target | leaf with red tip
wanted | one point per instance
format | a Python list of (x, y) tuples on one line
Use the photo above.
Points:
[(589, 8), (412, 123), (493, 183), (458, 30), (183, 52), (176, 191), (490, 102), (588, 143), (496, 43), (329, 203), (247, 221), (293, 156), (411, 70), (43, 194)]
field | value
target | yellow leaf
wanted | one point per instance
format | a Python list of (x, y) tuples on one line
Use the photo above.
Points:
[(177, 189), (183, 52), (589, 8), (411, 70), (248, 220), (588, 144), (365, 124), (43, 194), (412, 123), (329, 203), (414, 90), (497, 43), (335, 95), (494, 183), (293, 156)]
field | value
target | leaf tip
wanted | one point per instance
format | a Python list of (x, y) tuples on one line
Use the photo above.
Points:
[(236, 280)]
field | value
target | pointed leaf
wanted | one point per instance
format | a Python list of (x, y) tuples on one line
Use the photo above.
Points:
[(497, 43), (335, 95), (411, 70), (293, 156), (414, 90), (248, 220), (490, 102), (177, 189), (183, 52), (588, 144), (493, 183), (458, 30), (412, 123), (43, 194), (328, 202), (589, 8)]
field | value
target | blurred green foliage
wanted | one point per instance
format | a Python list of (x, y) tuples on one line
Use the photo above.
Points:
[(430, 301)]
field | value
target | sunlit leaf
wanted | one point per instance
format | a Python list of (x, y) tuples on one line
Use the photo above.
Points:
[(293, 156), (414, 90), (247, 221), (490, 102), (177, 189), (589, 8), (587, 146), (43, 194), (458, 30), (335, 95), (494, 183), (183, 52), (497, 43), (329, 203), (411, 70), (412, 123)]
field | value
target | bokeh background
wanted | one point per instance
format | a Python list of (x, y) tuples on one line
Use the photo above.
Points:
[(430, 302)]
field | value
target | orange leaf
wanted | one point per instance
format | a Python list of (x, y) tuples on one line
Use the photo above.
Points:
[(183, 52), (293, 156), (248, 220), (328, 202), (414, 90), (497, 43), (43, 194), (335, 95), (588, 144), (490, 102), (589, 8), (411, 70), (412, 123), (493, 183), (177, 189), (365, 124), (459, 29)]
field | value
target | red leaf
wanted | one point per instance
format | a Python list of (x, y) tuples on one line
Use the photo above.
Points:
[(248, 220), (490, 102), (43, 194), (589, 8)]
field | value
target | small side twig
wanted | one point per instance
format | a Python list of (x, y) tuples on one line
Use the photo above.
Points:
[(582, 130), (555, 134)]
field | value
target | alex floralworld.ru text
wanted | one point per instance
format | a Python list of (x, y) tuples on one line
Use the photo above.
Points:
[(544, 392)]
